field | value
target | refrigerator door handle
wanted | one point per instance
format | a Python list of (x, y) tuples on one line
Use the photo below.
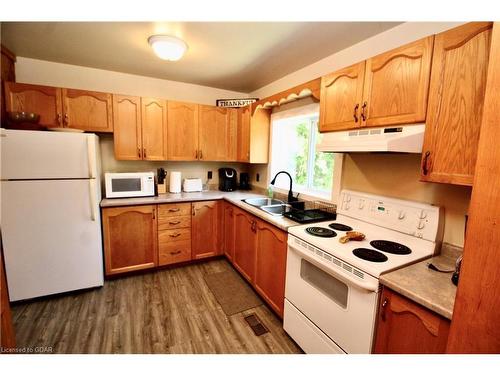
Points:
[(91, 152), (92, 200)]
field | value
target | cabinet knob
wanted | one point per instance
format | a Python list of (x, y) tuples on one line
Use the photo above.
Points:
[(139, 152), (66, 120), (363, 111), (196, 154), (201, 155), (382, 310), (425, 167), (144, 152), (59, 119)]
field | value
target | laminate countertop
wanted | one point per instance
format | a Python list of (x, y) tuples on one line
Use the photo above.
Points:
[(424, 286), (234, 197)]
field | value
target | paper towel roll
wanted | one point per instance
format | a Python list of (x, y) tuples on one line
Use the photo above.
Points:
[(175, 182)]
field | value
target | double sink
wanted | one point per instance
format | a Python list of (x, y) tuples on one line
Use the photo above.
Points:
[(273, 207)]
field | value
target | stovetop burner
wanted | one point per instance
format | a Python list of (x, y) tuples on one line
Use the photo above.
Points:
[(340, 226), (370, 255), (321, 232), (390, 247)]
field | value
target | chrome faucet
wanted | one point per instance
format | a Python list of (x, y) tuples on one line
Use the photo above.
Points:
[(291, 198)]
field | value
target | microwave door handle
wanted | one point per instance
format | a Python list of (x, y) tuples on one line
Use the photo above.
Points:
[(366, 285)]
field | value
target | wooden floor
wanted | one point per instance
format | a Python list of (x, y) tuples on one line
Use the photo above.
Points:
[(168, 311)]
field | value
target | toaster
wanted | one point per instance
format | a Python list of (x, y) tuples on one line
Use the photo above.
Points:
[(192, 184)]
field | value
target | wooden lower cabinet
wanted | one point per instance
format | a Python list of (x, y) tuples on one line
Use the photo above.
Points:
[(270, 267), (174, 233), (130, 238), (245, 243), (405, 327), (205, 229)]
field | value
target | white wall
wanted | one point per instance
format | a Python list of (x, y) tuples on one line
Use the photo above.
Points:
[(393, 175), (79, 77)]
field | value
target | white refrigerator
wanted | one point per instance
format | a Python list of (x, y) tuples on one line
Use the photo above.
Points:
[(50, 220)]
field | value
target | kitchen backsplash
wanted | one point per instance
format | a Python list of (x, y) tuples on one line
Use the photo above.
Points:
[(189, 169)]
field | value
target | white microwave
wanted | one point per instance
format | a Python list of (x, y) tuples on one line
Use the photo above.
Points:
[(123, 185)]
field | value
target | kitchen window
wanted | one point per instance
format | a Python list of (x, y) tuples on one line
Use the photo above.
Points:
[(293, 149)]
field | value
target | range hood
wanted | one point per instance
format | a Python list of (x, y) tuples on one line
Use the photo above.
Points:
[(402, 138)]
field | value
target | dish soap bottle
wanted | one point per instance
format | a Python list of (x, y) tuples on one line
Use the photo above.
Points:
[(270, 192)]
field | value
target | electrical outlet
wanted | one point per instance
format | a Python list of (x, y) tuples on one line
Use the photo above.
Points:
[(257, 177), (209, 175)]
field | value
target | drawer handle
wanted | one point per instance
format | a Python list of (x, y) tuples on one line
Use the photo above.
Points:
[(384, 307), (175, 235), (355, 114), (425, 168), (175, 252), (174, 210), (174, 222)]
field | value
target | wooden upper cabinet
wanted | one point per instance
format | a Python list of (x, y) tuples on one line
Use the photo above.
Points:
[(232, 134), (154, 129), (87, 110), (182, 131), (127, 127), (271, 265), (205, 229), (405, 327), (130, 238), (396, 85), (341, 99), (243, 134), (456, 96), (260, 127), (44, 100), (213, 133), (246, 242)]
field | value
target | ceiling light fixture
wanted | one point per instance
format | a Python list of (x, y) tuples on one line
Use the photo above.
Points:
[(167, 47)]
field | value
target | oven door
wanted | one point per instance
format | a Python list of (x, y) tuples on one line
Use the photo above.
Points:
[(340, 304)]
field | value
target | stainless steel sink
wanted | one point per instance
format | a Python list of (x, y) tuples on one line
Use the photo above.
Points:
[(260, 202), (276, 209)]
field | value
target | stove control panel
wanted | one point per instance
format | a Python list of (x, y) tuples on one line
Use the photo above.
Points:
[(414, 218)]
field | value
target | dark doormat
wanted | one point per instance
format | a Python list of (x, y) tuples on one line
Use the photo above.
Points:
[(232, 292)]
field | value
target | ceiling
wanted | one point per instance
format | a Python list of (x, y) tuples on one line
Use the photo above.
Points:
[(241, 56)]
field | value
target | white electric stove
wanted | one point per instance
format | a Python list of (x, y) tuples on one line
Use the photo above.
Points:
[(332, 288)]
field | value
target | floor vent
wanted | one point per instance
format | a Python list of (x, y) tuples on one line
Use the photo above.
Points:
[(257, 327)]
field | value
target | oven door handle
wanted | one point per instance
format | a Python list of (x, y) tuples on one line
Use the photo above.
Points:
[(366, 285)]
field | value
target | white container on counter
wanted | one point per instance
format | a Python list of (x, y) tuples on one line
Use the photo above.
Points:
[(175, 182)]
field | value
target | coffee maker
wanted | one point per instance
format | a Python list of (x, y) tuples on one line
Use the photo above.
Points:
[(227, 179)]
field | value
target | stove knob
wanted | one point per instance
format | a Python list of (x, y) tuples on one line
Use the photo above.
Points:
[(348, 198), (361, 204), (421, 224), (422, 215), (401, 215)]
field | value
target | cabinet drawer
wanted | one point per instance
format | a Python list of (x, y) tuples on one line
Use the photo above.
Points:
[(175, 209), (174, 222), (174, 252), (172, 235)]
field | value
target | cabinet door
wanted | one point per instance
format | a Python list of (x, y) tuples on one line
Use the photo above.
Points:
[(396, 85), (182, 131), (229, 231), (405, 327), (341, 96), (154, 129), (271, 265), (127, 135), (205, 229), (87, 110), (232, 134), (130, 238), (214, 133), (245, 243), (243, 137), (44, 100), (456, 97)]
